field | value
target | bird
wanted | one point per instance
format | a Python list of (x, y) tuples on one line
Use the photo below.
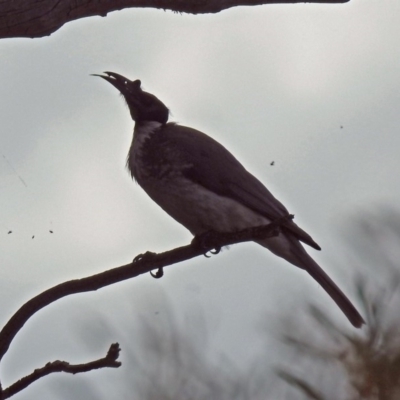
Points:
[(201, 185)]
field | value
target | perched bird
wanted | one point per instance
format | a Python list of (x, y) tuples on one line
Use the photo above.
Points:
[(202, 186)]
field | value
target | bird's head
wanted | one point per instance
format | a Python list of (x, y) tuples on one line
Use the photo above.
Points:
[(142, 105)]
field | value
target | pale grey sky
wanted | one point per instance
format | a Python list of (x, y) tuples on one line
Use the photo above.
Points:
[(314, 88)]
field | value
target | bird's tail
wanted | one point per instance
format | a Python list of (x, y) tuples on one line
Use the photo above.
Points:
[(294, 252), (333, 290)]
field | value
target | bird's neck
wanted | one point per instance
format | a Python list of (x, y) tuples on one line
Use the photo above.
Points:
[(146, 127), (142, 132)]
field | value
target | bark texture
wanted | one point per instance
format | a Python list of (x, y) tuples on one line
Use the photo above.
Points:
[(38, 18)]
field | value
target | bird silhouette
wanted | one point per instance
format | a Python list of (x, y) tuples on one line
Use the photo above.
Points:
[(205, 188)]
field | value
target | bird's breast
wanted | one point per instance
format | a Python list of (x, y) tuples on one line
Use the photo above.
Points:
[(152, 158)]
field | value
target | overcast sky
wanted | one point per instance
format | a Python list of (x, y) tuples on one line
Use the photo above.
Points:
[(314, 88)]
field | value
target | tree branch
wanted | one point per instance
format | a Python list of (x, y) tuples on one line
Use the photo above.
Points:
[(109, 361), (141, 264), (200, 245), (38, 18)]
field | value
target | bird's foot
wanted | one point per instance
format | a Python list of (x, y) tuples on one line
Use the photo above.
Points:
[(159, 274), (148, 256), (208, 241)]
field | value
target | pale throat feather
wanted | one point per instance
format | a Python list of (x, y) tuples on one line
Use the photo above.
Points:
[(141, 133)]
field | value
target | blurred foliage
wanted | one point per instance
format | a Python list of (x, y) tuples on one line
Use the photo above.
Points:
[(366, 363), (322, 359), (170, 359), (179, 366)]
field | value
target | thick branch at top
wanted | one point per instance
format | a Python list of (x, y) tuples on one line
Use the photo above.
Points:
[(38, 18)]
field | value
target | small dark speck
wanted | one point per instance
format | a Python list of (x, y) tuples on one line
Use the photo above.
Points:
[(9, 232), (51, 231), (272, 163), (341, 126), (157, 312), (33, 237)]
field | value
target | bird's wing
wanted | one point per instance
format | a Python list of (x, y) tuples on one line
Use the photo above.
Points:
[(215, 168)]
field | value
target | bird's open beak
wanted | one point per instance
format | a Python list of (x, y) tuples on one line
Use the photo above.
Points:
[(131, 90), (117, 80)]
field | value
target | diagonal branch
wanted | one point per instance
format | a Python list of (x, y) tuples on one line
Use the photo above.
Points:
[(109, 361), (142, 264), (38, 18)]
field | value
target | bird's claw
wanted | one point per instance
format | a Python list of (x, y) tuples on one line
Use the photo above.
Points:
[(144, 256), (148, 256), (159, 274), (206, 241), (217, 250)]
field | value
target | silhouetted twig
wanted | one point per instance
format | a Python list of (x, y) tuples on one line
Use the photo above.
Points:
[(109, 361), (142, 264)]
